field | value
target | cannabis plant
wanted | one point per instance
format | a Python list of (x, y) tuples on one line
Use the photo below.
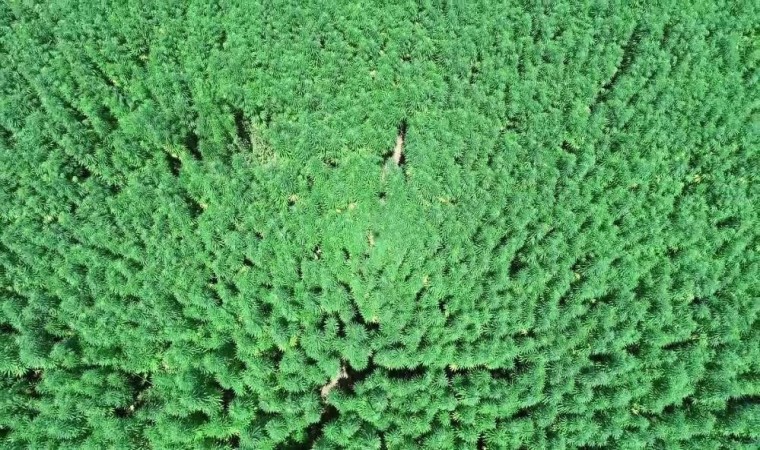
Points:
[(379, 225)]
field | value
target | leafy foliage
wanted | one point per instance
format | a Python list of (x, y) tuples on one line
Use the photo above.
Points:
[(201, 225)]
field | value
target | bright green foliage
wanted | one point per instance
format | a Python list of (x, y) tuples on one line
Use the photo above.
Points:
[(199, 227)]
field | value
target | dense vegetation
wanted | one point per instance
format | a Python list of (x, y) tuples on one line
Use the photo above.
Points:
[(206, 241)]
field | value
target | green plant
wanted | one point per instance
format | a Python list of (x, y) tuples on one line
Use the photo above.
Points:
[(344, 225)]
